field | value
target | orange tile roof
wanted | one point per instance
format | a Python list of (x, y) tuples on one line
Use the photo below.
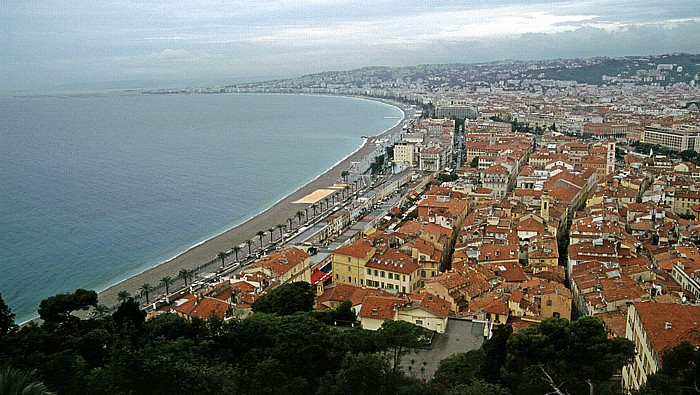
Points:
[(380, 307), (684, 323), (358, 249)]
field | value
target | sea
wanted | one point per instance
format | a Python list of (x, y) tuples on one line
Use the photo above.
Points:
[(95, 188)]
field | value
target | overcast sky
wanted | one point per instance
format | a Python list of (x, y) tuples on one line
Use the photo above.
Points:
[(53, 42)]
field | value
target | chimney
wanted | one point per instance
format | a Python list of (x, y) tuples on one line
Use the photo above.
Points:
[(668, 325)]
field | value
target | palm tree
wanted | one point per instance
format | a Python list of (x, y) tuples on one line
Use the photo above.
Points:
[(185, 274), (17, 381), (306, 213), (280, 227), (222, 255), (249, 242), (314, 206), (145, 289), (260, 234), (166, 281), (271, 230), (327, 200), (236, 250), (290, 223), (345, 175), (299, 215), (99, 311), (123, 296), (333, 197)]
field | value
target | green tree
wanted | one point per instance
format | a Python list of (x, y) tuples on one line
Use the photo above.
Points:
[(314, 207), (236, 250), (270, 231), (249, 242), (345, 175), (398, 338), (280, 227), (185, 274), (361, 374), (7, 319), (475, 162), (566, 357), (59, 308), (459, 369), (123, 296), (21, 382), (299, 214), (99, 311), (129, 314), (222, 255), (286, 299), (495, 353), (145, 289), (167, 281), (260, 235), (290, 224)]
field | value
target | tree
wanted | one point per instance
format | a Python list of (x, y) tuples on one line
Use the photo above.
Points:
[(185, 274), (398, 338), (286, 299), (314, 207), (475, 162), (236, 250), (361, 374), (21, 382), (222, 255), (260, 234), (565, 357), (327, 200), (7, 319), (145, 289), (345, 175), (129, 312), (495, 353), (123, 296), (299, 214), (459, 369), (59, 308), (99, 311), (166, 281), (271, 230), (280, 227), (249, 243)]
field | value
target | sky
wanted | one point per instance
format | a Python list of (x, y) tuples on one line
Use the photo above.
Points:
[(49, 43)]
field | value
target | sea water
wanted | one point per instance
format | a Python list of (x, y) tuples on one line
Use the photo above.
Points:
[(96, 188)]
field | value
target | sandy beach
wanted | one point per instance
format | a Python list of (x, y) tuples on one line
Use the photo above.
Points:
[(270, 218)]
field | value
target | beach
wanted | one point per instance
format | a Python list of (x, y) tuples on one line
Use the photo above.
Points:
[(270, 218)]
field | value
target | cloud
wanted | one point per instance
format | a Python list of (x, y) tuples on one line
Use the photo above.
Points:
[(88, 39)]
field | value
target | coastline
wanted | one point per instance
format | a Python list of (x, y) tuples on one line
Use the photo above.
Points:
[(278, 213)]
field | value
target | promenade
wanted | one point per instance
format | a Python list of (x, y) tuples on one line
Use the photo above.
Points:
[(269, 219)]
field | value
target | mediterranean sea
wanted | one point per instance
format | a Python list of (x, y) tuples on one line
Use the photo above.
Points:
[(97, 188)]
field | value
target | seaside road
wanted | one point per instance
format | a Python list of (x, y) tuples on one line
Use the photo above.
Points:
[(275, 215)]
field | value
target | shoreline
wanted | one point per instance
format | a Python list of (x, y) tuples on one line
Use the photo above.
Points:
[(278, 213)]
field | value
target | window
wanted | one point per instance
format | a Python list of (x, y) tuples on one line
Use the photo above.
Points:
[(375, 272), (419, 322), (391, 276), (350, 269), (383, 274), (369, 271), (549, 302), (556, 315)]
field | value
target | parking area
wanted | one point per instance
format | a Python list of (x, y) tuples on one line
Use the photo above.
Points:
[(460, 336)]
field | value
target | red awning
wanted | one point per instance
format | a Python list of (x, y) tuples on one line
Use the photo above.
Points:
[(319, 276)]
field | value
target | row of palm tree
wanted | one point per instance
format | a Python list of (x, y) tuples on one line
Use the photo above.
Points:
[(146, 288)]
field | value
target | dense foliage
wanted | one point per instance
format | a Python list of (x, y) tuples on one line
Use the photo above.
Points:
[(290, 353)]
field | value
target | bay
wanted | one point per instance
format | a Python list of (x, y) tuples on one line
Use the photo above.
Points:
[(95, 189)]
